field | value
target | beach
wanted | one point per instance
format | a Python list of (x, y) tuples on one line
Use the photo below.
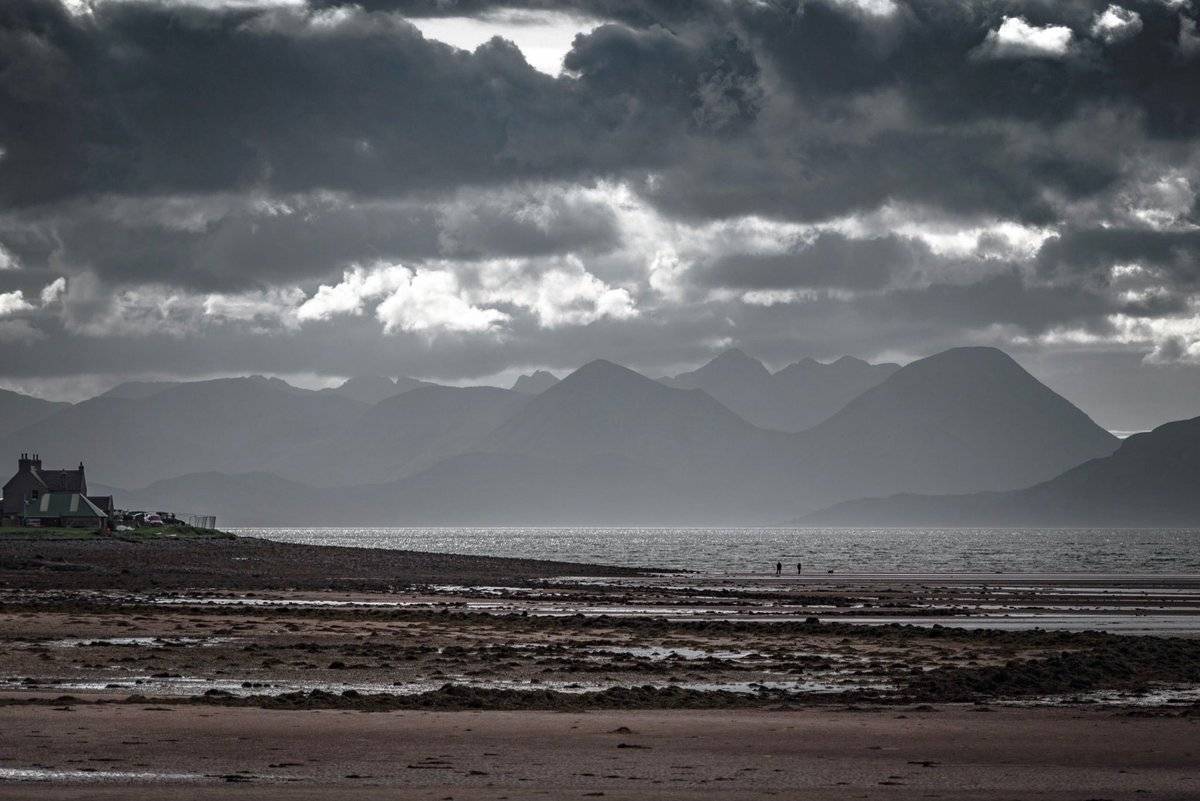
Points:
[(164, 752), (367, 674)]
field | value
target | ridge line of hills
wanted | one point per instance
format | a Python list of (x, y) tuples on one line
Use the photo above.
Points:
[(605, 445), (1152, 479)]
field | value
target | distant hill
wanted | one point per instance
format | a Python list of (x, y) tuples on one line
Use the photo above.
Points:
[(1151, 480), (816, 390), (963, 420), (238, 499), (603, 445), (400, 435), (535, 383), (232, 424), (471, 489), (18, 411), (795, 398), (606, 409), (136, 390)]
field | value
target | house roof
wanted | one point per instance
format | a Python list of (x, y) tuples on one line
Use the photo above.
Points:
[(62, 504), (61, 480)]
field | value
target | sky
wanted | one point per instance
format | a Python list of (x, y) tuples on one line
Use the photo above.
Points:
[(461, 190)]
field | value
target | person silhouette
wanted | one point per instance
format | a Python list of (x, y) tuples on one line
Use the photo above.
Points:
[(779, 568), (799, 568)]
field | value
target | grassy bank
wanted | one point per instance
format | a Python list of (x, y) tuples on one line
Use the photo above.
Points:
[(182, 532)]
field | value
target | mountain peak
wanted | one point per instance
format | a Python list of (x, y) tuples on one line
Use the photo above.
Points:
[(602, 370), (372, 389), (970, 355), (535, 383), (980, 403), (731, 355), (729, 365), (367, 388), (736, 356)]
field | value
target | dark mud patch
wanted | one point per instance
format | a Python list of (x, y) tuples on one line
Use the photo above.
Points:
[(1113, 663), (456, 697)]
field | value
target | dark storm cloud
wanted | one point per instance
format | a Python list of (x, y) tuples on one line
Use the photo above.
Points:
[(970, 172), (830, 260), (1004, 299), (517, 224), (144, 98), (640, 13), (229, 243), (259, 150), (148, 98), (1175, 253), (973, 135), (930, 51), (237, 248)]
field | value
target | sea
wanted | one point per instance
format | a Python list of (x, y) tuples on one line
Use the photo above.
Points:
[(1158, 551)]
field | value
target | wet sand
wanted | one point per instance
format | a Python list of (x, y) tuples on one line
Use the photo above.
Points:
[(426, 676), (951, 752)]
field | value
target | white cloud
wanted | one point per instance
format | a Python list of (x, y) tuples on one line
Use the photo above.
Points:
[(776, 297), (91, 309), (7, 260), (431, 301), (357, 287), (425, 301), (1016, 38), (53, 291), (873, 8), (1161, 203), (544, 37), (666, 274), (266, 310), (462, 296), (13, 302), (1116, 24), (1164, 340), (561, 294)]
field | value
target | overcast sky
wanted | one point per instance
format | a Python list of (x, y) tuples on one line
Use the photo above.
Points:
[(465, 190)]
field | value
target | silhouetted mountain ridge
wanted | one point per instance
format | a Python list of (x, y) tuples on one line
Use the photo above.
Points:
[(18, 411), (535, 383), (1150, 480), (795, 398), (605, 444)]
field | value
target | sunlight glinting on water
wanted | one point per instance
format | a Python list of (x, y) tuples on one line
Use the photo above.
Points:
[(753, 550)]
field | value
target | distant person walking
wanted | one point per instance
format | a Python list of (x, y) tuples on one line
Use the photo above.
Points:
[(799, 568), (779, 568)]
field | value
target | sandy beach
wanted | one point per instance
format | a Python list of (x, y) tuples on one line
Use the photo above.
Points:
[(953, 752), (426, 676)]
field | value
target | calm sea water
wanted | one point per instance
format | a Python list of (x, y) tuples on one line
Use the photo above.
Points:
[(738, 550)]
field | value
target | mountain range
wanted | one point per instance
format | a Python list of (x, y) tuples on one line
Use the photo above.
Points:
[(795, 398), (18, 411), (604, 445)]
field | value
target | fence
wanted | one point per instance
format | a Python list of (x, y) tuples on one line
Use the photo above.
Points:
[(201, 521)]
